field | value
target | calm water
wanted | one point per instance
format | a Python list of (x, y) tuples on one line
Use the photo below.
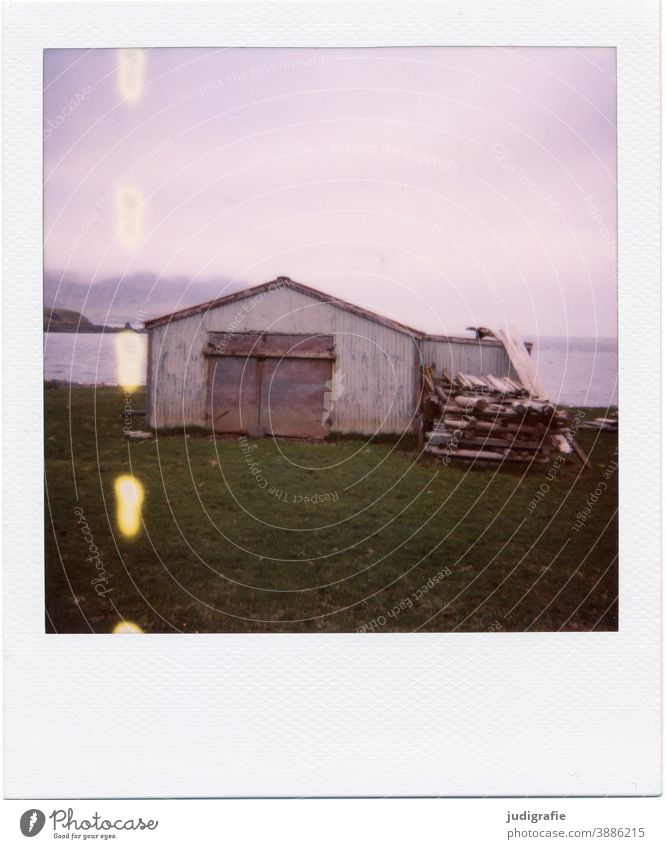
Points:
[(575, 371), (91, 358)]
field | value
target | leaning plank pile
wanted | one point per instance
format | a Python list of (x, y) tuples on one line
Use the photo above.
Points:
[(489, 418)]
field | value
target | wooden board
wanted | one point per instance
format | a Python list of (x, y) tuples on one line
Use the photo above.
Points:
[(293, 396), (521, 361), (233, 394), (258, 395), (271, 345)]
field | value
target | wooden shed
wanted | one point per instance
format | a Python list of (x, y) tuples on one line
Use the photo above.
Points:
[(285, 359)]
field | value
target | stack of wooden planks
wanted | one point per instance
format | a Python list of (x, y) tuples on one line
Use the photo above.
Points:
[(488, 418)]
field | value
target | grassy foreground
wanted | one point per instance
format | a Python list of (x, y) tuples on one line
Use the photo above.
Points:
[(256, 535)]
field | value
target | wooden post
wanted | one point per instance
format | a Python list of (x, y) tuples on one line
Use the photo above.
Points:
[(583, 457)]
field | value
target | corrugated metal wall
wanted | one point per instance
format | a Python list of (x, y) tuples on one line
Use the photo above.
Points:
[(472, 357), (375, 376), (375, 385)]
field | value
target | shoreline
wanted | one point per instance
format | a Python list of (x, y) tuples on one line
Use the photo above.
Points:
[(94, 328)]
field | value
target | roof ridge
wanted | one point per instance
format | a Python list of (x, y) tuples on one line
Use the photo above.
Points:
[(280, 282), (284, 281)]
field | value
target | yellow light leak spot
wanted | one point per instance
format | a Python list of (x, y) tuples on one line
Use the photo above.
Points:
[(129, 215), (129, 498), (126, 627), (131, 63), (129, 360)]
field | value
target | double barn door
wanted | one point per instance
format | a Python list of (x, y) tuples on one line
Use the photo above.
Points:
[(269, 383)]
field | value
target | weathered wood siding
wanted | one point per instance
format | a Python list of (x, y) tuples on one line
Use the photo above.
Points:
[(374, 376)]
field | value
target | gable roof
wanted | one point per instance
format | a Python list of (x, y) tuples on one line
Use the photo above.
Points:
[(286, 282)]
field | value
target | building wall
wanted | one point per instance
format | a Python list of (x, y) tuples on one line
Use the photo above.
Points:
[(374, 376), (470, 357)]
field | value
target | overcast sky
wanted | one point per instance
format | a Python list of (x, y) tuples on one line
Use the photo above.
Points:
[(444, 187)]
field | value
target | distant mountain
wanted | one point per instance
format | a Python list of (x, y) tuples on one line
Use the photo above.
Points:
[(57, 318), (133, 299)]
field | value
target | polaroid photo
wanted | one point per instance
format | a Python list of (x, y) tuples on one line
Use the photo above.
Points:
[(323, 341)]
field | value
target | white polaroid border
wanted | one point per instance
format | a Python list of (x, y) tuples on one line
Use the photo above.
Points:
[(330, 714)]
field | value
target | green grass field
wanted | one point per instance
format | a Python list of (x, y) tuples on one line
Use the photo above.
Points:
[(232, 538)]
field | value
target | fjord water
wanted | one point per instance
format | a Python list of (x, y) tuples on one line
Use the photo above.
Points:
[(578, 371)]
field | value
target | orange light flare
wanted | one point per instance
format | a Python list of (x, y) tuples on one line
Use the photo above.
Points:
[(129, 499), (129, 360), (131, 67), (129, 215), (127, 627)]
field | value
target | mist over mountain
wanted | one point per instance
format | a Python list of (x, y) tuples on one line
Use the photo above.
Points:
[(133, 298)]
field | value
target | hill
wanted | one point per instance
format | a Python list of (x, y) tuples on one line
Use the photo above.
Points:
[(57, 319)]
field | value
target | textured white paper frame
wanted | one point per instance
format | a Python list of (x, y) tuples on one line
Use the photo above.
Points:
[(332, 714)]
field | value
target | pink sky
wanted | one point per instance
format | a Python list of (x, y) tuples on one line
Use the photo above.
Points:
[(441, 186)]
